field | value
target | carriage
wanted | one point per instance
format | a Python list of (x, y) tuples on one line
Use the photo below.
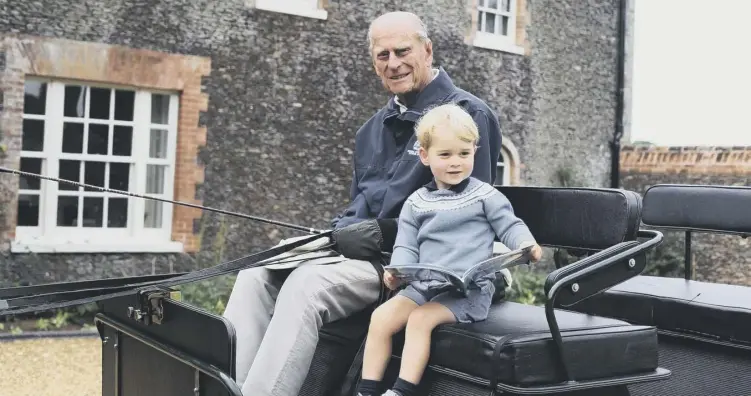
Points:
[(605, 329)]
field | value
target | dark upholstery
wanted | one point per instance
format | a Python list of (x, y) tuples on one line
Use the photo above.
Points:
[(579, 218), (514, 346), (724, 209), (704, 310), (700, 309)]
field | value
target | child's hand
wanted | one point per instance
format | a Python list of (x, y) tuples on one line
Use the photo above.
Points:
[(535, 253), (390, 280)]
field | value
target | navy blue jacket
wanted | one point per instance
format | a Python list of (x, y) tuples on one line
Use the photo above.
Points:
[(387, 167)]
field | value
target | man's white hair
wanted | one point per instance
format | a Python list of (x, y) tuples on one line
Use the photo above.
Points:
[(421, 29)]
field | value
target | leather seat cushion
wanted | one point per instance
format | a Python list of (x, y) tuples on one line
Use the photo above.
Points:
[(717, 311), (515, 347)]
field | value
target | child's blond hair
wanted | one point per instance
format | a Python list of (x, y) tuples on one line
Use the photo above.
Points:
[(449, 117)]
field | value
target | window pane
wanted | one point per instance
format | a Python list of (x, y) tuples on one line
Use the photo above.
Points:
[(31, 165), (122, 140), (504, 25), (98, 139), (119, 176), (158, 144), (160, 109), (34, 97), (155, 179), (124, 105), (117, 212), (152, 216), (72, 137), (506, 5), (28, 210), (75, 98), (482, 3), (69, 170), (33, 135), (480, 20), (489, 22), (67, 211), (94, 174), (493, 4), (93, 211), (99, 107)]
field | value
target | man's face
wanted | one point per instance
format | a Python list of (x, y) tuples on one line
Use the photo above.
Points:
[(450, 159), (401, 60)]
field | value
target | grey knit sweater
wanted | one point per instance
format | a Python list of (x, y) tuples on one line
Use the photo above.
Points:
[(455, 228)]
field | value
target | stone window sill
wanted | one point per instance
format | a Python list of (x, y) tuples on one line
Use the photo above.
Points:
[(289, 7), (497, 43), (42, 246)]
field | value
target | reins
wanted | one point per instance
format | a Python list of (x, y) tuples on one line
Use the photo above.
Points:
[(27, 303)]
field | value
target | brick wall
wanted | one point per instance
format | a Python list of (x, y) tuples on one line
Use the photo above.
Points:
[(716, 258)]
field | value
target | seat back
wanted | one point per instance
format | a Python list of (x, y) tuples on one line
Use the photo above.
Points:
[(590, 219), (715, 209), (698, 208)]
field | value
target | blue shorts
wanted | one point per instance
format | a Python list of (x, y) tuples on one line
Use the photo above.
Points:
[(473, 308)]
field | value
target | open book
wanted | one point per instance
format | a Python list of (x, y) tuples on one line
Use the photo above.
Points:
[(412, 272)]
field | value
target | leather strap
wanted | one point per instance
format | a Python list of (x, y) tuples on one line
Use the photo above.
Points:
[(497, 362), (253, 260)]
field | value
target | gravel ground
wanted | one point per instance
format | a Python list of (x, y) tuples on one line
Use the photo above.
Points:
[(51, 367)]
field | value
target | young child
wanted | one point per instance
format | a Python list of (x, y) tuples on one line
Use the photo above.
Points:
[(451, 222)]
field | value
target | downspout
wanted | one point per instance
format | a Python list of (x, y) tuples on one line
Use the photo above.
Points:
[(615, 145)]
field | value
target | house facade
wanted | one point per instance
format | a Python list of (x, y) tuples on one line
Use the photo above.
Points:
[(252, 106)]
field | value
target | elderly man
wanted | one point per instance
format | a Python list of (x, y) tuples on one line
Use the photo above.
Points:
[(276, 314)]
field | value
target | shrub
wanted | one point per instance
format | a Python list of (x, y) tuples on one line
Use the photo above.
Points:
[(527, 287), (210, 294)]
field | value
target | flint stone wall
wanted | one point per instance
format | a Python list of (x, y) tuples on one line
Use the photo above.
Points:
[(287, 94)]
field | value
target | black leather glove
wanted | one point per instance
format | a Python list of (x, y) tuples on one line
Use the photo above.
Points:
[(367, 239), (388, 233)]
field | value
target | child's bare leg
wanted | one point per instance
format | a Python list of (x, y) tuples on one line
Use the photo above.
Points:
[(420, 326), (387, 320)]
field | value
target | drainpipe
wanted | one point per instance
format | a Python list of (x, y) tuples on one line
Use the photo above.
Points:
[(615, 145)]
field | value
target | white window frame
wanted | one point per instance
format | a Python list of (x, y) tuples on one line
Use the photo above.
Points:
[(497, 41), (47, 237), (504, 166), (305, 8)]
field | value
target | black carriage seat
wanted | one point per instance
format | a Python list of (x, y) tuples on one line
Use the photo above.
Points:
[(715, 312), (514, 348)]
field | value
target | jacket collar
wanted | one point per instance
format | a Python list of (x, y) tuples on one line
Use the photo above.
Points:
[(434, 93)]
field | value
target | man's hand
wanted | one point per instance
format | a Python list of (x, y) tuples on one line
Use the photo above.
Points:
[(390, 280), (365, 240), (535, 253)]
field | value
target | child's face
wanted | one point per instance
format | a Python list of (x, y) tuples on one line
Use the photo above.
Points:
[(450, 159)]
